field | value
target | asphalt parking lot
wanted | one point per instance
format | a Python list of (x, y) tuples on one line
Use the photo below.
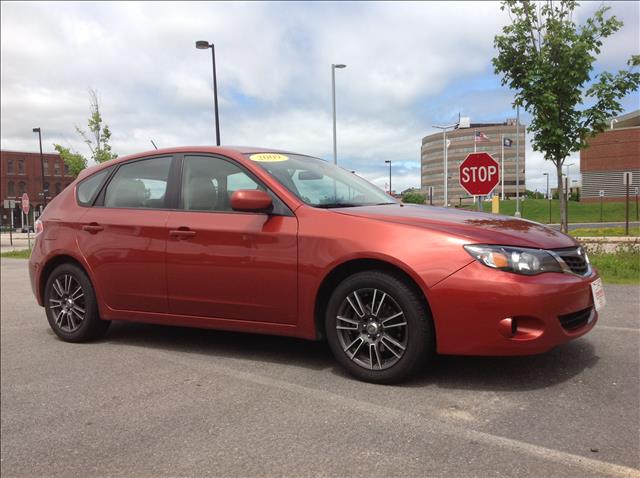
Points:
[(166, 401)]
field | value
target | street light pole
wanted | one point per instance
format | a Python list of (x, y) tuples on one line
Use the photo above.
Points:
[(517, 214), (548, 195), (445, 160), (333, 97), (203, 45), (44, 192), (390, 189)]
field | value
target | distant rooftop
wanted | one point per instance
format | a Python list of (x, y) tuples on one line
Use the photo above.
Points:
[(628, 120)]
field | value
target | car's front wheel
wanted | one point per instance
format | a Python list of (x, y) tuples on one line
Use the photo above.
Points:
[(378, 327), (71, 307)]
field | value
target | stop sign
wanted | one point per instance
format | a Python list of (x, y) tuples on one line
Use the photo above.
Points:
[(25, 203), (479, 174)]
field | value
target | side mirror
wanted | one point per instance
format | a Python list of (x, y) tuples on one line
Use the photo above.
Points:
[(251, 200)]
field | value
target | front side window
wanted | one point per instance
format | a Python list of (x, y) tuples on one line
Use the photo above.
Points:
[(139, 184), (88, 188), (319, 183), (208, 183)]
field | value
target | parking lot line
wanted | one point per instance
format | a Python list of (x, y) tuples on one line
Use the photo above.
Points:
[(620, 329), (410, 419)]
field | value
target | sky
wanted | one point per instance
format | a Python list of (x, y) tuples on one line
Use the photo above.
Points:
[(409, 66)]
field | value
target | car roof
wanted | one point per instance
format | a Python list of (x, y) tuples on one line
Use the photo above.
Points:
[(223, 150)]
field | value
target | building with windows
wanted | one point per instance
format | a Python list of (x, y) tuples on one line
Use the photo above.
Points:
[(608, 156), (22, 173), (488, 137)]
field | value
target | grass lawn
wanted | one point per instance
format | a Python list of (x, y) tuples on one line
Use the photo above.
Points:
[(22, 254), (538, 210), (621, 267), (604, 232)]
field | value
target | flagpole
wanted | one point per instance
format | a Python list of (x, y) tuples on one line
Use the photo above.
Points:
[(475, 140), (502, 170)]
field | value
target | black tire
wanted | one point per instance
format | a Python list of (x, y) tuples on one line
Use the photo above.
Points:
[(91, 326), (416, 335)]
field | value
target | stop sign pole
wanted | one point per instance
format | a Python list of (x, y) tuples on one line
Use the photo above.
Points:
[(25, 209), (479, 175)]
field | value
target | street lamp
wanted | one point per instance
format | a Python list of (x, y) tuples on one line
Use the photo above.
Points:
[(568, 166), (333, 95), (548, 195), (44, 192), (445, 159), (203, 45), (389, 162)]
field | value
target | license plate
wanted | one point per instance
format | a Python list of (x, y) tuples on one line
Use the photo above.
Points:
[(597, 291)]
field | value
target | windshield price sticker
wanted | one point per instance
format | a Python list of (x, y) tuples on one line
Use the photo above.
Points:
[(268, 157)]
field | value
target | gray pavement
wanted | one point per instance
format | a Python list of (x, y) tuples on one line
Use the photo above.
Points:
[(150, 401)]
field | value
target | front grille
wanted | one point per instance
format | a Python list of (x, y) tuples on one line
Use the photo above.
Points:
[(575, 259), (575, 320)]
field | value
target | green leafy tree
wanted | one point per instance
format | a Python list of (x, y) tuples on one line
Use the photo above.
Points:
[(97, 139), (414, 198), (548, 61)]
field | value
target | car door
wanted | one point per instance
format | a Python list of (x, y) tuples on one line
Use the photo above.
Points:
[(123, 236), (227, 264)]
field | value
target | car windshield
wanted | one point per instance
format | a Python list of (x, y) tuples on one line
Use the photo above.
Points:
[(319, 183)]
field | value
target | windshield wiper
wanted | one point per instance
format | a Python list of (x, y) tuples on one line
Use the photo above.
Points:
[(336, 204)]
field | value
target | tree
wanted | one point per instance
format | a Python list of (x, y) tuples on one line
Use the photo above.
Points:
[(548, 60), (97, 140), (414, 197)]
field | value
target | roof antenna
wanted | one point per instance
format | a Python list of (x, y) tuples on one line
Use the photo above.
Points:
[(154, 144)]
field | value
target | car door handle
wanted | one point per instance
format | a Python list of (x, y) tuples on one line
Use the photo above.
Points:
[(92, 228), (182, 233)]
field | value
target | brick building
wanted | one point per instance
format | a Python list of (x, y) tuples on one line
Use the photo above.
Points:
[(608, 156), (21, 172)]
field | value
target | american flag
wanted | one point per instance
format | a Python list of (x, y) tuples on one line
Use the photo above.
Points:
[(480, 137)]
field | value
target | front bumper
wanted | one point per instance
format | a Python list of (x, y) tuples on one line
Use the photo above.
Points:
[(471, 306)]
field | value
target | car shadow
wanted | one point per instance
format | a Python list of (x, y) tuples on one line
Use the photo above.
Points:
[(220, 343), (517, 373), (449, 372)]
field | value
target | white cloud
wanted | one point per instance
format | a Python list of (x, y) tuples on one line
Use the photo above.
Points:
[(409, 65)]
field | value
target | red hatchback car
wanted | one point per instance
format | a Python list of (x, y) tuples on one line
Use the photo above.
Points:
[(253, 240)]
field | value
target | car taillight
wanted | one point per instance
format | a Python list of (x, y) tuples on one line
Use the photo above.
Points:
[(39, 227)]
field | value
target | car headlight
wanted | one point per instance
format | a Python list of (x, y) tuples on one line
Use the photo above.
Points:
[(518, 260)]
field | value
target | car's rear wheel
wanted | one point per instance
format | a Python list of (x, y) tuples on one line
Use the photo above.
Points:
[(71, 307), (378, 327)]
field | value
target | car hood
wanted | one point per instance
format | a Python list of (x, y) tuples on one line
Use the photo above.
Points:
[(477, 227)]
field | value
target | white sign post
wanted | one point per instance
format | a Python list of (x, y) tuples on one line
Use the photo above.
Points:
[(627, 179)]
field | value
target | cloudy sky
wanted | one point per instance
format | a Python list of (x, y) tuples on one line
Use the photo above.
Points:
[(410, 65)]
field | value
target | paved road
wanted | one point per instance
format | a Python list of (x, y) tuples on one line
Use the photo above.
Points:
[(151, 401)]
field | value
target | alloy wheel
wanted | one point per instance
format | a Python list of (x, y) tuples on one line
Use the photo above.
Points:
[(67, 303), (372, 329)]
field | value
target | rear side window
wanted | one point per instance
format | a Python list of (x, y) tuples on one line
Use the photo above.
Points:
[(140, 184), (89, 187)]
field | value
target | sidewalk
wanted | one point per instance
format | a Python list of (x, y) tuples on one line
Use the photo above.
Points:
[(20, 241)]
